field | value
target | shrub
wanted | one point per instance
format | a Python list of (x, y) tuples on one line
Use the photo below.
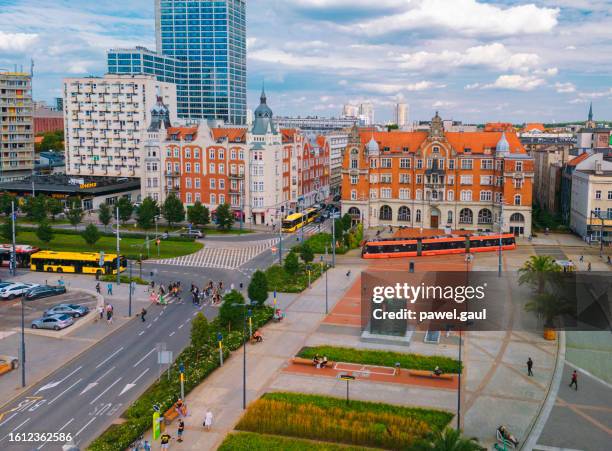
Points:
[(292, 264), (230, 315), (91, 234), (258, 288), (248, 441)]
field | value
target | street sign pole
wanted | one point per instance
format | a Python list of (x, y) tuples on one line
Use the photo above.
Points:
[(14, 251), (333, 242), (182, 375), (130, 287), (220, 340), (118, 251)]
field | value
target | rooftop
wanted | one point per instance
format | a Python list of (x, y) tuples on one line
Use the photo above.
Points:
[(67, 184)]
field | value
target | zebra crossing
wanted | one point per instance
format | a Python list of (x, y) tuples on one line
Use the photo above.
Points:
[(222, 255)]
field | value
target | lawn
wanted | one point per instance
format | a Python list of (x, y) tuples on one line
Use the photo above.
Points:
[(382, 358), (282, 282), (130, 247), (246, 441), (234, 231), (325, 418)]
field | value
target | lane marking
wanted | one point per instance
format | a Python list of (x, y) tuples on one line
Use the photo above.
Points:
[(58, 396), (59, 430), (87, 424), (56, 383), (107, 389), (109, 357), (133, 383), (94, 383), (141, 332), (181, 326), (145, 356), (149, 326), (156, 318), (9, 418), (172, 333), (17, 427)]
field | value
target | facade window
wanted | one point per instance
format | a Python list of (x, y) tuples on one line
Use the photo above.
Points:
[(373, 178), (436, 149), (466, 196), (221, 168), (450, 179), (419, 194), (233, 154), (213, 183), (385, 163), (517, 217), (213, 199), (373, 163), (188, 167), (429, 163), (450, 217), (486, 180), (354, 164), (450, 195), (211, 154), (404, 193), (386, 214), (221, 199), (405, 163), (197, 183), (187, 152), (498, 198), (467, 163), (518, 166), (418, 216), (517, 199), (189, 198), (196, 168), (486, 196), (385, 193), (404, 178), (403, 214), (419, 164), (486, 164), (609, 215), (598, 195), (354, 179), (609, 195), (373, 194), (196, 153), (385, 178), (188, 183), (354, 194), (198, 197), (465, 180), (221, 184), (419, 179), (451, 164), (221, 156), (211, 168), (466, 216), (485, 216)]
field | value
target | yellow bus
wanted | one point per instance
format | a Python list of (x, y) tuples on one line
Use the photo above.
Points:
[(297, 220), (76, 262)]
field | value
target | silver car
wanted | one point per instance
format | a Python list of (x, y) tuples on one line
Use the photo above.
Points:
[(16, 289), (55, 322), (74, 310)]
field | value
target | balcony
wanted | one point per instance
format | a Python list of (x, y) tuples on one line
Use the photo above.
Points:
[(234, 175), (235, 190)]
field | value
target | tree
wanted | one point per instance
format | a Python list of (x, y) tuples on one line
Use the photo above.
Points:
[(549, 306), (36, 208), (347, 222), (6, 204), (258, 288), (225, 218), (55, 207), (146, 213), (105, 215), (200, 332), (91, 234), (7, 229), (392, 127), (126, 208), (292, 265), (44, 232), (173, 210), (51, 141), (536, 270), (338, 229), (75, 213), (198, 215), (306, 253), (449, 440), (230, 312)]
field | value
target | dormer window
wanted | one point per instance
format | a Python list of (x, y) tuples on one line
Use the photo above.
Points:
[(436, 149), (175, 137), (467, 150), (406, 149)]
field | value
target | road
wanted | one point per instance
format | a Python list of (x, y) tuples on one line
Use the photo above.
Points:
[(86, 395)]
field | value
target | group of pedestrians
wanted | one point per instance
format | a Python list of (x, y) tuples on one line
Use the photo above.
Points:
[(574, 376), (103, 310), (166, 438)]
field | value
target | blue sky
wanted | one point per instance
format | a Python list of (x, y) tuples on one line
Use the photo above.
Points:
[(473, 60)]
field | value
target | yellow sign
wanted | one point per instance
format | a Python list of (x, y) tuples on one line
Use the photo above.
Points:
[(88, 185), (156, 426)]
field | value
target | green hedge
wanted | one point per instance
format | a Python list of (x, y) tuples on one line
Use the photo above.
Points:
[(124, 279), (382, 358), (282, 282), (247, 441), (123, 233), (166, 391)]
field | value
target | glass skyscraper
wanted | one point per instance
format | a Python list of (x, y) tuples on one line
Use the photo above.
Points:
[(201, 47)]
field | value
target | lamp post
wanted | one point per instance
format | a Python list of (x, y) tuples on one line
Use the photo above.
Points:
[(501, 231), (244, 344), (326, 301), (333, 241), (118, 250)]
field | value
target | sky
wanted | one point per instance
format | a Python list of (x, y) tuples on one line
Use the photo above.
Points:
[(471, 60)]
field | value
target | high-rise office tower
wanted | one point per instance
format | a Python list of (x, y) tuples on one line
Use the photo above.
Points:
[(201, 47), (401, 115), (366, 113)]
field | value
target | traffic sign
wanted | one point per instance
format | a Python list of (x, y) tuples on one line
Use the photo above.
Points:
[(156, 426), (182, 367), (219, 336), (273, 249)]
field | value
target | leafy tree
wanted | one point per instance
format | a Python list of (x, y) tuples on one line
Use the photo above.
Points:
[(347, 222), (198, 215), (230, 313), (44, 232), (105, 215), (75, 213), (449, 440), (173, 210), (91, 234), (306, 253), (338, 229), (292, 265), (55, 207), (5, 204), (536, 270), (36, 208), (225, 218), (126, 208), (51, 141), (200, 332), (392, 127), (6, 230), (146, 213), (258, 288)]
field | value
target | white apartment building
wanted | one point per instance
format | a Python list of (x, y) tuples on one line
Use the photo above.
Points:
[(337, 143), (106, 120), (402, 118), (591, 199)]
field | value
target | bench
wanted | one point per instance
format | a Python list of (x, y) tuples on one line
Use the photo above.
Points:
[(309, 362), (171, 414), (504, 441), (430, 374)]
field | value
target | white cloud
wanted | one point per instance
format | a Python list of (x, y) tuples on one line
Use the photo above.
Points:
[(565, 87), (305, 45), (516, 82), (17, 42), (473, 86), (596, 94), (442, 104), (466, 17), (359, 4), (570, 47), (395, 88)]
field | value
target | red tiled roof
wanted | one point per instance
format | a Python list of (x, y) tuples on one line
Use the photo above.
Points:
[(395, 141), (232, 134), (321, 141), (498, 127), (182, 132), (533, 126), (580, 158)]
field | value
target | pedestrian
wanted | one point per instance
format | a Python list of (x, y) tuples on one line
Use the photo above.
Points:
[(146, 446), (109, 316), (208, 420), (165, 441), (574, 381), (98, 288), (152, 285), (589, 266), (181, 429), (348, 273), (221, 286), (100, 310), (109, 289), (609, 261), (143, 313), (581, 258), (529, 367)]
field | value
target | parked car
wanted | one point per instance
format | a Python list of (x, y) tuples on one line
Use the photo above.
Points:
[(43, 291), (55, 322), (73, 310), (319, 219), (337, 198), (15, 289), (335, 215), (193, 233), (8, 363), (5, 284)]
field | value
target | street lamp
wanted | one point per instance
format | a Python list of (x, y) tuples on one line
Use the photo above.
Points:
[(118, 250), (501, 231), (246, 313), (13, 267), (326, 269)]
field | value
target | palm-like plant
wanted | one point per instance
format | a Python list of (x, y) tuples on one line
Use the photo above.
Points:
[(535, 271), (549, 306), (450, 440)]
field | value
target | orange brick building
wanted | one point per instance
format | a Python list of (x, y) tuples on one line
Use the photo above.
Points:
[(437, 179)]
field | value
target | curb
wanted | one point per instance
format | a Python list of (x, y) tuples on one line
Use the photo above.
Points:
[(549, 402)]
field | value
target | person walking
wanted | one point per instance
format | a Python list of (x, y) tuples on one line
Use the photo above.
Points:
[(574, 381), (146, 446), (208, 420), (180, 430), (529, 367), (109, 289), (109, 314), (165, 440), (98, 288), (581, 259), (143, 313), (589, 266)]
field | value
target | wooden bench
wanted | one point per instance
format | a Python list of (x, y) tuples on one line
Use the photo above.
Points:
[(430, 374), (304, 361), (171, 414)]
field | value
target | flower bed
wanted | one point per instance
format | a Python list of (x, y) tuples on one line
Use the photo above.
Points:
[(166, 391), (282, 282), (247, 441), (382, 358), (331, 419)]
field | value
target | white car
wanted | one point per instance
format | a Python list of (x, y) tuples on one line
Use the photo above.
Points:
[(15, 290)]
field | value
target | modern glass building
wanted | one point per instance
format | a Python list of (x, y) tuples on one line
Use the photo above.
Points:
[(201, 46)]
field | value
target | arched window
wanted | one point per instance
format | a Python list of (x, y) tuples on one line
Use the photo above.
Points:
[(418, 216), (466, 216), (485, 216), (386, 214), (450, 217), (403, 214), (354, 213), (517, 199), (517, 217)]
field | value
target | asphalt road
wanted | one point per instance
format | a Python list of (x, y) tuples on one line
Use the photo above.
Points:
[(86, 395)]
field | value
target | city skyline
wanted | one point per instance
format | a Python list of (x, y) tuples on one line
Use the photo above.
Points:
[(543, 61)]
